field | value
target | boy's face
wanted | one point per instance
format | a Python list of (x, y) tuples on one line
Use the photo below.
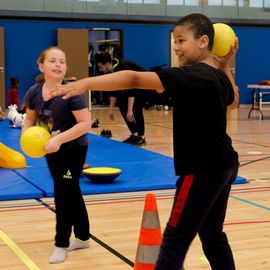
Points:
[(105, 68), (188, 49)]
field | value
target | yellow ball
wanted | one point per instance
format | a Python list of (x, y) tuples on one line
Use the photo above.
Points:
[(33, 141), (224, 38)]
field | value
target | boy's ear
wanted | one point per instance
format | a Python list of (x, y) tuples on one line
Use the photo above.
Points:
[(204, 41)]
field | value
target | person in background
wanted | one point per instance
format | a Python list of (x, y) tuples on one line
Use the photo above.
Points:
[(68, 123), (13, 92), (204, 158), (130, 103)]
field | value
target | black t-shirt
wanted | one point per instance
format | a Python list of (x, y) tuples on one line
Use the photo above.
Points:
[(200, 95), (56, 114)]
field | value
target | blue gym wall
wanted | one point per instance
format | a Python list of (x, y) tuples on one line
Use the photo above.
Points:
[(146, 44), (253, 57)]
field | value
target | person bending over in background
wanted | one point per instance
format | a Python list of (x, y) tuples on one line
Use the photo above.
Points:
[(130, 103)]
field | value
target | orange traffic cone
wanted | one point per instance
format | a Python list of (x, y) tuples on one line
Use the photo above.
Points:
[(150, 236)]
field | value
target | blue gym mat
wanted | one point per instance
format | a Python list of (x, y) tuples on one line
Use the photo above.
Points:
[(13, 186), (142, 170)]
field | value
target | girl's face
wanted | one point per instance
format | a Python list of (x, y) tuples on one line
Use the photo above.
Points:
[(188, 49), (54, 66)]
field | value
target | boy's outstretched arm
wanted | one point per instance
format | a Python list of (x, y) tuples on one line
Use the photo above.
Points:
[(115, 81)]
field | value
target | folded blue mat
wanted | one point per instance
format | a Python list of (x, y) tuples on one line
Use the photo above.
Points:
[(13, 187), (141, 169)]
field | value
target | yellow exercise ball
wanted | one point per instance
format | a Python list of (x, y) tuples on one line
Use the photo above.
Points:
[(33, 141), (224, 38)]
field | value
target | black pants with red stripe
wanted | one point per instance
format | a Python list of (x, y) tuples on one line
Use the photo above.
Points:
[(200, 205), (66, 167)]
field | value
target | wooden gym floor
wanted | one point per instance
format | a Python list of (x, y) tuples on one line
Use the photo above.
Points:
[(27, 227)]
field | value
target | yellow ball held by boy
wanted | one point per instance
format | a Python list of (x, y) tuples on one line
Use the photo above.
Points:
[(224, 38), (33, 141)]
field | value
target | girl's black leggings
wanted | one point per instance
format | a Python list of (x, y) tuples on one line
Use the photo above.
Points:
[(66, 167)]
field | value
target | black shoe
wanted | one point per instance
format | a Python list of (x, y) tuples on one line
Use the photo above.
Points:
[(95, 123), (109, 134), (102, 133), (129, 139), (139, 141), (106, 133), (135, 140)]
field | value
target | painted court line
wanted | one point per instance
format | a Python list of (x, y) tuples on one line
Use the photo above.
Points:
[(100, 242), (19, 252), (251, 203), (203, 258)]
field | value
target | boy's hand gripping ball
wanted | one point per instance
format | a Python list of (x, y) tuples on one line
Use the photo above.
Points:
[(224, 38), (33, 141)]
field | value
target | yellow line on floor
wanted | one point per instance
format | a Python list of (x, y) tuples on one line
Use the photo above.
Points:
[(260, 180), (12, 245), (203, 258)]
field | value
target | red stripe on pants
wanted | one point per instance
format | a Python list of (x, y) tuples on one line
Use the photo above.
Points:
[(181, 200)]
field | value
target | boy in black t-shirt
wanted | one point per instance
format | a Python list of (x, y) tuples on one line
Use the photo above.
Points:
[(204, 157)]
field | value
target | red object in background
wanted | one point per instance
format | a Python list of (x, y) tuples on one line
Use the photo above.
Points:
[(86, 165), (13, 96), (265, 82)]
